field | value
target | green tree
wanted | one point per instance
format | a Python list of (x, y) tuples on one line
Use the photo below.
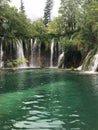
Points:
[(2, 2), (38, 28), (22, 8), (56, 26), (16, 24), (47, 12), (2, 16), (39, 31), (90, 23), (70, 11)]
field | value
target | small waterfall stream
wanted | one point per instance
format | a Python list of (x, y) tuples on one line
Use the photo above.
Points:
[(52, 51), (60, 59), (20, 54), (94, 63), (91, 62), (31, 59), (1, 55), (39, 55), (35, 54)]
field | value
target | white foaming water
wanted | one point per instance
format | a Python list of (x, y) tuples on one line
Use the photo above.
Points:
[(60, 58), (39, 54), (35, 54), (94, 64), (79, 68), (52, 51), (1, 56), (20, 54), (31, 59)]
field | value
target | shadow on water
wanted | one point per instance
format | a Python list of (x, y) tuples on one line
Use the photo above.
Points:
[(48, 100)]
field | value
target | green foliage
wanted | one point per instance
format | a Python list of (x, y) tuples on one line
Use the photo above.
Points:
[(19, 61), (10, 64), (38, 28), (89, 25), (67, 44), (2, 2), (16, 62), (56, 26), (79, 24), (47, 12), (70, 12), (40, 31), (22, 7), (15, 24), (2, 16)]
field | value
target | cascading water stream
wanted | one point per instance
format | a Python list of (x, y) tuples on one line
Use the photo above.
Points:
[(90, 63), (39, 54), (31, 59), (35, 54), (94, 63), (79, 68), (20, 55), (1, 55), (60, 58), (52, 51)]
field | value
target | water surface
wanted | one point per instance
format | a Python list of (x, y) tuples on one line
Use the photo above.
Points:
[(48, 100)]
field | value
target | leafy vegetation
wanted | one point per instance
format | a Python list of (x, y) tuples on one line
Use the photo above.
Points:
[(16, 62), (47, 12)]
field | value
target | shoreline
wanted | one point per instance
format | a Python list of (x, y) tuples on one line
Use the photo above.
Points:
[(47, 68)]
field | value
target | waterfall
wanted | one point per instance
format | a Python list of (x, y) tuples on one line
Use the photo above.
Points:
[(1, 55), (79, 68), (31, 59), (60, 62), (94, 63), (39, 54), (52, 51), (91, 61), (20, 55), (35, 54)]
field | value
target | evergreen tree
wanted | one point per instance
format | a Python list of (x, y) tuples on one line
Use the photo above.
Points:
[(22, 7), (47, 12)]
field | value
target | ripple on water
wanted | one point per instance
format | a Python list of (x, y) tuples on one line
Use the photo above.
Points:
[(40, 124), (30, 102), (73, 115), (38, 96), (39, 115)]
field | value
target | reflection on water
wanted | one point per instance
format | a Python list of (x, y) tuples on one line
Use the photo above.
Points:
[(48, 100)]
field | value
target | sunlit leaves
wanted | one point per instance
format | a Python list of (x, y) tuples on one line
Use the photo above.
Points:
[(38, 28), (56, 26)]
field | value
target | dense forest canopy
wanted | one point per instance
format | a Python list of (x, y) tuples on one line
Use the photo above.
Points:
[(76, 26)]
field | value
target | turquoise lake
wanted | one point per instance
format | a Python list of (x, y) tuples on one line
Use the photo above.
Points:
[(43, 99)]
